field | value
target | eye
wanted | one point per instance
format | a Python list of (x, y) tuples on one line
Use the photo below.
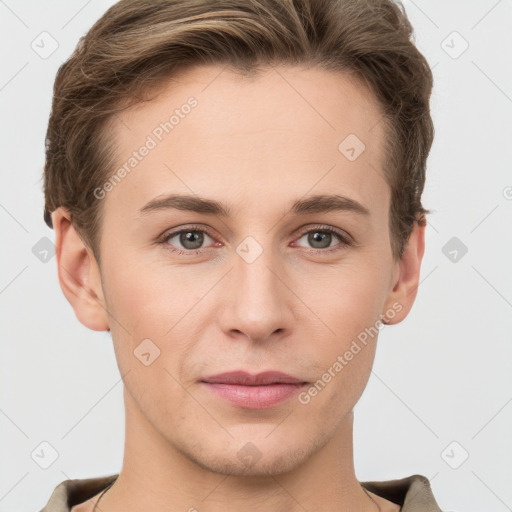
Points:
[(321, 237), (190, 239)]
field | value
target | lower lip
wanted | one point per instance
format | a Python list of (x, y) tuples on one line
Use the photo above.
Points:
[(255, 397)]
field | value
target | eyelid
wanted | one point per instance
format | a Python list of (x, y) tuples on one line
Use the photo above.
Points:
[(324, 227)]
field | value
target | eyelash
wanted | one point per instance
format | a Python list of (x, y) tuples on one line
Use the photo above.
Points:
[(344, 240)]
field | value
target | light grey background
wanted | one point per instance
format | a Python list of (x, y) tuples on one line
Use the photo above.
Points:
[(441, 386)]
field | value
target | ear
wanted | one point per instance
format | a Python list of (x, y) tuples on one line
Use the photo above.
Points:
[(79, 274), (407, 276)]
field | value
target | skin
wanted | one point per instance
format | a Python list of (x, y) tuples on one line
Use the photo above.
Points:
[(257, 145)]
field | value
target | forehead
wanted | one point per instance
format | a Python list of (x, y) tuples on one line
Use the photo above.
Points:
[(213, 132)]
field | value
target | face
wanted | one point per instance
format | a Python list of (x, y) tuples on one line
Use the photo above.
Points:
[(263, 276)]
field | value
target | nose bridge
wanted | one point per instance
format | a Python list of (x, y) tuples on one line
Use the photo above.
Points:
[(259, 300), (255, 269)]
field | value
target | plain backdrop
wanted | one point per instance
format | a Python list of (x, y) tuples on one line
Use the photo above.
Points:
[(439, 400)]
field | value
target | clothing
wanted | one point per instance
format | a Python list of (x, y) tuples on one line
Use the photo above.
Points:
[(413, 493)]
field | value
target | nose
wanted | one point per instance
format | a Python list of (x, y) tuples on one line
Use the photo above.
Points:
[(258, 303)]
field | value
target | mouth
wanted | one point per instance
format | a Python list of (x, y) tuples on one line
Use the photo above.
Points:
[(261, 391)]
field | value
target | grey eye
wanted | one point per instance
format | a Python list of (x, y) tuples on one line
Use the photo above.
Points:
[(190, 239)]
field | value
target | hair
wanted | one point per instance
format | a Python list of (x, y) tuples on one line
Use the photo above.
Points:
[(137, 45)]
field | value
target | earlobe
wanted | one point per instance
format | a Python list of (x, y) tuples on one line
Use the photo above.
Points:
[(79, 275), (403, 293)]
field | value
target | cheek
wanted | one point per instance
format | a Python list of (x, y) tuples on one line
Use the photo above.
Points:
[(155, 316), (351, 297), (349, 305), (344, 358), (149, 301)]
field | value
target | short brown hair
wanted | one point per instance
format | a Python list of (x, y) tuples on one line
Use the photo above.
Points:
[(136, 44)]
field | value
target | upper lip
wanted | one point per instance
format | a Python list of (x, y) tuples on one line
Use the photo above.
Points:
[(245, 378)]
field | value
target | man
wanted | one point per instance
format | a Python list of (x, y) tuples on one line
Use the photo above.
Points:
[(235, 188)]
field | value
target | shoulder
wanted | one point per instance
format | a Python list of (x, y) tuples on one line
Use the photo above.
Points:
[(413, 493), (75, 491)]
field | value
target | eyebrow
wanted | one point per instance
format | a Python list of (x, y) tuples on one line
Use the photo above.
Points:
[(321, 203)]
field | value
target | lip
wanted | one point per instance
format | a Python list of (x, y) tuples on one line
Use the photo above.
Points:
[(261, 391), (246, 379)]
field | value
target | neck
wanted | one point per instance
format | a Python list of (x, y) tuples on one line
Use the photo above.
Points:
[(159, 474)]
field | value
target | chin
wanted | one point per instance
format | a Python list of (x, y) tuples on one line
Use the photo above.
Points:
[(261, 455), (262, 464)]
